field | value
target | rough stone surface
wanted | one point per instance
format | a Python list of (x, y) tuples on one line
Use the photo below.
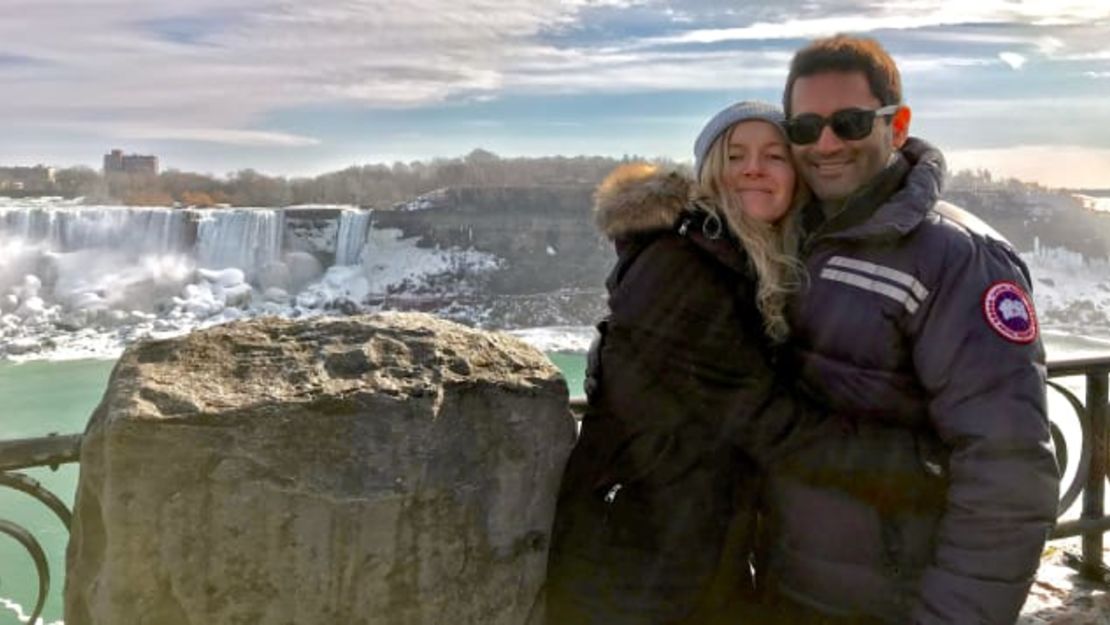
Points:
[(380, 469)]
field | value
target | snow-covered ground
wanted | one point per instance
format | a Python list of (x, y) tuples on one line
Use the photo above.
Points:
[(569, 339), (1071, 293), (1060, 597), (1095, 203)]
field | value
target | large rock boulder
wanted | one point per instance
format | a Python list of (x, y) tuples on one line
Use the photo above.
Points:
[(380, 469)]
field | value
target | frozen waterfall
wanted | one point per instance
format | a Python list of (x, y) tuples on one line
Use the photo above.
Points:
[(247, 239), (69, 272), (353, 226)]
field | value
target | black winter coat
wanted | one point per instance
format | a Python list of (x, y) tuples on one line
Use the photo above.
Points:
[(686, 406)]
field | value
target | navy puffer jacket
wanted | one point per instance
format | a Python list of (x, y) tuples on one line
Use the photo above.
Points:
[(918, 326)]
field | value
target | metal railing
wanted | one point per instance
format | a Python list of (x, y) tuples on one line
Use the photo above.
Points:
[(1090, 474), (1091, 470), (48, 451)]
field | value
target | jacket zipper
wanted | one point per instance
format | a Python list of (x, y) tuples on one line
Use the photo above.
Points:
[(609, 498)]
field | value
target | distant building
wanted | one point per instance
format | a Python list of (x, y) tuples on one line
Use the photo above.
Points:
[(117, 161), (37, 179)]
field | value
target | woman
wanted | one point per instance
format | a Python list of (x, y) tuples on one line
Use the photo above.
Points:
[(684, 405)]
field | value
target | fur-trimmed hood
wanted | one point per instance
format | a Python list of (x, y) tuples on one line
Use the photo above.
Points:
[(639, 197)]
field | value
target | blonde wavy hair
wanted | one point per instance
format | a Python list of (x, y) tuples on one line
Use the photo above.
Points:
[(772, 248)]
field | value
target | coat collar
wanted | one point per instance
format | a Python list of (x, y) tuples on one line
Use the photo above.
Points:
[(892, 205)]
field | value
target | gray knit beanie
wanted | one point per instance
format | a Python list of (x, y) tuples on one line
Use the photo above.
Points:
[(741, 111)]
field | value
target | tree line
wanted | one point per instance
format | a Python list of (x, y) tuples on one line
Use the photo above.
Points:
[(382, 185), (376, 185)]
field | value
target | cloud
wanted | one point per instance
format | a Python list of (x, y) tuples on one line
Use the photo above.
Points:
[(117, 131), (1046, 106), (225, 136), (1097, 55), (552, 70), (918, 63), (1049, 45), (869, 17), (229, 64), (1013, 59), (792, 29), (224, 72), (1066, 43), (1037, 12)]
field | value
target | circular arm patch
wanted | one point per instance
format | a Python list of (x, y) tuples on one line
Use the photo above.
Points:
[(1009, 312)]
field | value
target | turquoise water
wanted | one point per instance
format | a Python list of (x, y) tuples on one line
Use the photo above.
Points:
[(573, 367), (38, 398)]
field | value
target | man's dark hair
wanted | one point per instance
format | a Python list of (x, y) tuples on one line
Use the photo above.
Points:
[(845, 53)]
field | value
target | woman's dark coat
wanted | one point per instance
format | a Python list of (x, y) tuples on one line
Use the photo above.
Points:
[(684, 408)]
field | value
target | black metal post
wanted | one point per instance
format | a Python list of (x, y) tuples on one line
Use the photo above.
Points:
[(1094, 495)]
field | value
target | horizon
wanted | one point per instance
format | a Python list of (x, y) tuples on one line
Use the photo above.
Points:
[(640, 158), (217, 86)]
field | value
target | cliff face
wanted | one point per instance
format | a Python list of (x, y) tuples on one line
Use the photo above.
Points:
[(1052, 219), (547, 240), (544, 235)]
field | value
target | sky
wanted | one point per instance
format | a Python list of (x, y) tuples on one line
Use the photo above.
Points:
[(1020, 87)]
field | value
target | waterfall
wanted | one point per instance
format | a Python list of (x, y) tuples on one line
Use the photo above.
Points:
[(249, 239), (69, 271), (353, 226), (141, 230)]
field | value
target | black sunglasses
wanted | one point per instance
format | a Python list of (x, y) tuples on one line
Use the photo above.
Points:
[(848, 124)]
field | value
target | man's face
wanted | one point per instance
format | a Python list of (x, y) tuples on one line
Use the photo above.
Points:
[(833, 167)]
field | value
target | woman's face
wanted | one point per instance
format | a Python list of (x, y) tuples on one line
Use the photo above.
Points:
[(759, 171)]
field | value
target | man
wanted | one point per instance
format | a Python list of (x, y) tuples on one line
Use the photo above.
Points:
[(918, 328)]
